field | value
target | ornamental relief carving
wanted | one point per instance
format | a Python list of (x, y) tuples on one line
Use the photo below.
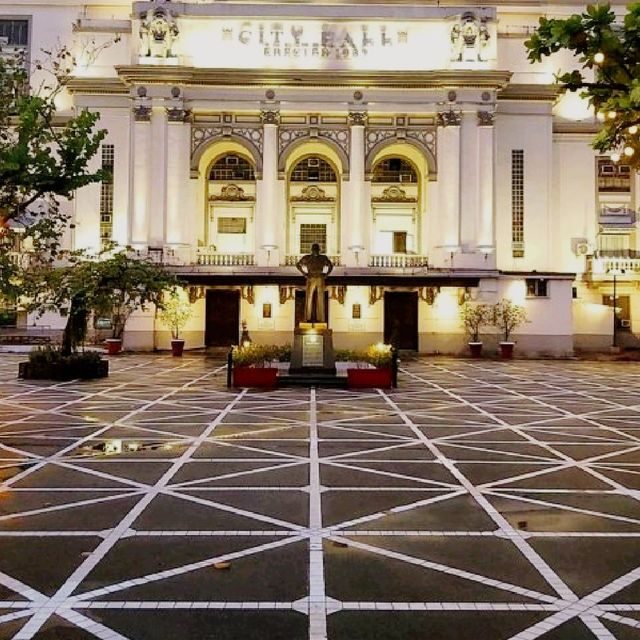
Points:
[(394, 194), (424, 138), (312, 193), (339, 137), (201, 135), (232, 193)]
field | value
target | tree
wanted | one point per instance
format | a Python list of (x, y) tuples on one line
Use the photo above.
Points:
[(507, 317), (473, 318), (113, 287), (124, 283), (43, 158), (176, 312), (609, 77)]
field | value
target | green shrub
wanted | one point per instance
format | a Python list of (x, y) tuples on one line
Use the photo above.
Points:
[(260, 354), (379, 355), (51, 355)]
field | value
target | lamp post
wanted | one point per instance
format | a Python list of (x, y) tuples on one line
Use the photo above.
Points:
[(615, 273)]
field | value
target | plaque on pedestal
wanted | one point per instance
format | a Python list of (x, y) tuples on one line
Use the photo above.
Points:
[(312, 351)]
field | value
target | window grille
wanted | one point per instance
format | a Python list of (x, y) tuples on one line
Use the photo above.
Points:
[(232, 167), (311, 234), (14, 32), (313, 169), (106, 195), (517, 203), (394, 170)]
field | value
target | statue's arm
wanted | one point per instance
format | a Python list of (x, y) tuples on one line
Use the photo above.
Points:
[(329, 266), (300, 266)]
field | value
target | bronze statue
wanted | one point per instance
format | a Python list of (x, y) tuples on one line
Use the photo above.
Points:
[(313, 266)]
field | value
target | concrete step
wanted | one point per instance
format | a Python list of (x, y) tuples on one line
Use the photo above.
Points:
[(312, 380)]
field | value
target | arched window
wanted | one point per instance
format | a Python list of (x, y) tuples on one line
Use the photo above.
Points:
[(394, 170), (313, 169), (231, 168)]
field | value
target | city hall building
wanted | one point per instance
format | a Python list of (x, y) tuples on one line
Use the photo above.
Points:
[(413, 141)]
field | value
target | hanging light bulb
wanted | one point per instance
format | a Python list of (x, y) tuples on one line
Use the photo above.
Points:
[(611, 115), (615, 157), (629, 151), (599, 57), (633, 129), (601, 116)]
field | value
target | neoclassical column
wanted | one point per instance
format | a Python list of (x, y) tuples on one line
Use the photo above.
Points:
[(178, 134), (449, 180), (469, 174), (269, 217), (485, 236), (158, 165), (141, 171), (355, 221)]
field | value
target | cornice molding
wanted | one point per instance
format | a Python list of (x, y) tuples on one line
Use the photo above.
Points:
[(101, 86), (537, 92), (149, 74), (581, 128)]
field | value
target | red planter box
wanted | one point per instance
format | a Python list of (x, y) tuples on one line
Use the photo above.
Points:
[(255, 376), (369, 378), (114, 346)]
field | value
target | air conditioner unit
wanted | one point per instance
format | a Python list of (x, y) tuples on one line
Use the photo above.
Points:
[(581, 247), (314, 162), (584, 249), (625, 323)]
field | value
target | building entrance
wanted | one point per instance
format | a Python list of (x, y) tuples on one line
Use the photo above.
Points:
[(401, 319), (222, 318)]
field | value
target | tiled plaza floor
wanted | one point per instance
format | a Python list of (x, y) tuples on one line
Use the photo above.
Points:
[(479, 501)]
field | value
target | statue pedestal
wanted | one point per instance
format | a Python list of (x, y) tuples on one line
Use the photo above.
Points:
[(312, 351)]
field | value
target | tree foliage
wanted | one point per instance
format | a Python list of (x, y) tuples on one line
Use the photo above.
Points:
[(609, 77)]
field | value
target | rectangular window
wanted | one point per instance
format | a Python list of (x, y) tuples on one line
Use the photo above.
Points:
[(613, 177), (106, 196), (311, 234), (14, 32), (537, 288), (614, 245), (517, 203), (399, 242), (232, 225)]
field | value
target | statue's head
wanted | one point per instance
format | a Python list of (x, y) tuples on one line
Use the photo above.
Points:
[(315, 249)]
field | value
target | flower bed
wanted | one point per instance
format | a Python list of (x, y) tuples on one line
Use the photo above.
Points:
[(253, 364)]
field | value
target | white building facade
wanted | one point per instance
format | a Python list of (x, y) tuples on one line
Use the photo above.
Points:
[(414, 143)]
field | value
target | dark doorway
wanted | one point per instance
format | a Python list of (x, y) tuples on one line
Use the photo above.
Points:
[(222, 318), (300, 308), (401, 319)]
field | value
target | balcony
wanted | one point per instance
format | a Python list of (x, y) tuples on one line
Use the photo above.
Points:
[(399, 261), (214, 259), (604, 263), (291, 261)]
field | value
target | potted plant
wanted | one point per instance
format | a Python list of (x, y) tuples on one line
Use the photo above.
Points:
[(507, 316), (474, 317), (252, 364), (175, 315), (377, 373)]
